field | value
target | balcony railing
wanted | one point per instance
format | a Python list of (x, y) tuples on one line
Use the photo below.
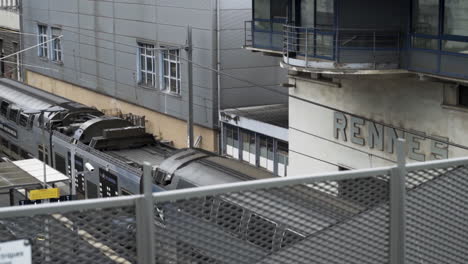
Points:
[(264, 34), (353, 49), (350, 48), (9, 4)]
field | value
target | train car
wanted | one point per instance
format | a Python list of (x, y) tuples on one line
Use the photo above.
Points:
[(109, 153)]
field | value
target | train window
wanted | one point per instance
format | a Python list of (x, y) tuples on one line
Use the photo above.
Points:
[(290, 237), (23, 121), (5, 143), (14, 148), (41, 155), (13, 116), (108, 185), (25, 154), (229, 216), (92, 190), (4, 108), (31, 120), (60, 163), (261, 232)]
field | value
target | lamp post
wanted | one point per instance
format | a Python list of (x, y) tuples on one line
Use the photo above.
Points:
[(42, 120)]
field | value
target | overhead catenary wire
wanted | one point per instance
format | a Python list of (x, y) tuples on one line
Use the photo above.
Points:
[(272, 90), (29, 48), (328, 107)]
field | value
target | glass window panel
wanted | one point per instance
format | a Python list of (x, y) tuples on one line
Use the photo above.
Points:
[(173, 69), (262, 9), (307, 13), (463, 95), (279, 9), (426, 17), (423, 43), (455, 46), (456, 17), (325, 14)]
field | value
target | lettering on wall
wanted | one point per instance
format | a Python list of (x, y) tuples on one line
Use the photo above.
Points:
[(382, 138)]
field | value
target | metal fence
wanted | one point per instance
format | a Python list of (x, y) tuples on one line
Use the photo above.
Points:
[(415, 213), (9, 4)]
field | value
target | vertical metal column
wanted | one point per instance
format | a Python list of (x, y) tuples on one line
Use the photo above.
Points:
[(189, 50), (145, 220), (397, 206)]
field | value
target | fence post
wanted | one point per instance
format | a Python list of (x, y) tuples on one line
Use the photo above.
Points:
[(145, 220), (397, 206)]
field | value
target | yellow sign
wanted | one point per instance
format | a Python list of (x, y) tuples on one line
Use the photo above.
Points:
[(44, 194)]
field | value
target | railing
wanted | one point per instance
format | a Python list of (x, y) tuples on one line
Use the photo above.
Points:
[(402, 214), (264, 34), (346, 46), (9, 4)]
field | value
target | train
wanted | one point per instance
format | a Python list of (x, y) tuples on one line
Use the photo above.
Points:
[(35, 123)]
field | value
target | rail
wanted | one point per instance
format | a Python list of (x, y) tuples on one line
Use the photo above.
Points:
[(413, 213), (9, 4), (360, 45)]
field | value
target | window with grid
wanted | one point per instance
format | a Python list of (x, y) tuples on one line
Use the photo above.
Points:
[(147, 67), (56, 44), (42, 41), (170, 71)]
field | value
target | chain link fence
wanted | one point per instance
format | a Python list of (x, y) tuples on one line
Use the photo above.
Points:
[(402, 214)]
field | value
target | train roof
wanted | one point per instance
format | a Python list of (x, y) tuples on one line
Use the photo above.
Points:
[(218, 170), (154, 155)]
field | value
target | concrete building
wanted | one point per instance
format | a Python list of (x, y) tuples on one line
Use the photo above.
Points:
[(366, 72), (131, 56), (10, 39)]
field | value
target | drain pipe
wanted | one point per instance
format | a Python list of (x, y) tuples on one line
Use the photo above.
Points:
[(218, 69)]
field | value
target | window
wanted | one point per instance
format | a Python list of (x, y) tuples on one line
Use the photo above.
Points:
[(261, 232), (229, 216), (463, 95), (170, 71), (147, 67), (249, 148), (426, 17), (455, 17), (14, 148), (42, 41), (282, 158), (17, 72), (41, 154), (23, 121), (4, 108), (13, 114), (266, 153), (232, 141), (60, 163), (56, 44)]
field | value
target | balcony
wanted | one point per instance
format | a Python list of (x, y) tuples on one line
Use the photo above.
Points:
[(327, 49)]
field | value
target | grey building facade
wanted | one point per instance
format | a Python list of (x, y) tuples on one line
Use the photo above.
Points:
[(363, 73), (133, 53)]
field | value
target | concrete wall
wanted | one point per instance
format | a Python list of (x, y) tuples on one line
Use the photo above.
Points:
[(402, 101), (160, 125), (9, 19), (100, 39), (235, 60)]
